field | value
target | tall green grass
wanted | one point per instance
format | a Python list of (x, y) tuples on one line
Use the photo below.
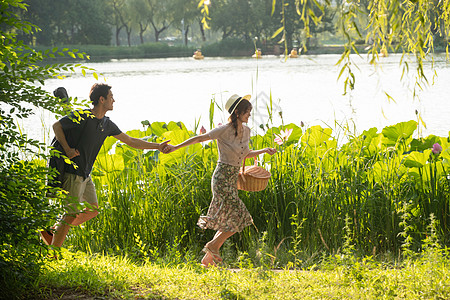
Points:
[(381, 187)]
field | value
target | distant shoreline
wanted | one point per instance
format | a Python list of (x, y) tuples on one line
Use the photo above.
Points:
[(161, 50)]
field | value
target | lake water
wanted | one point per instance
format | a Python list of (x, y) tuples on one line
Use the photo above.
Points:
[(305, 89)]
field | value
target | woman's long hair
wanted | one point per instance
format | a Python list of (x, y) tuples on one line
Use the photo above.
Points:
[(242, 108)]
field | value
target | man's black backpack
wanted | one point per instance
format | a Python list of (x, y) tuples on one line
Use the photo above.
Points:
[(56, 162)]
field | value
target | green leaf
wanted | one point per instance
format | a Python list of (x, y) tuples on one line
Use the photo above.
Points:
[(416, 159), (277, 32), (158, 128), (399, 131), (315, 136)]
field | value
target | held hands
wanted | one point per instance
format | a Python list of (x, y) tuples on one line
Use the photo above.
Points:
[(270, 151), (169, 148), (163, 146), (166, 148)]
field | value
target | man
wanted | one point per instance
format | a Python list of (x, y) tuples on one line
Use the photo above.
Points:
[(81, 134)]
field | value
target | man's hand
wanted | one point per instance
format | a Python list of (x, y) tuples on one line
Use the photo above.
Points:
[(163, 147), (71, 153), (169, 149)]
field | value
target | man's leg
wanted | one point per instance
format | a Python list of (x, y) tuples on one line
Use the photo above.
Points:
[(61, 230), (85, 215), (89, 196), (84, 191)]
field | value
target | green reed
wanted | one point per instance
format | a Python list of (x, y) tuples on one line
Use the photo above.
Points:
[(150, 202)]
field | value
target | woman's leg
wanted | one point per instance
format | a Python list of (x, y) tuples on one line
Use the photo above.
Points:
[(219, 238), (214, 246)]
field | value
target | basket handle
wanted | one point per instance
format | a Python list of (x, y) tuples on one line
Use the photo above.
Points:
[(243, 165), (243, 168)]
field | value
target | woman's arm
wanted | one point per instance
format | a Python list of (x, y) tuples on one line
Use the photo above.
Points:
[(191, 141), (253, 153)]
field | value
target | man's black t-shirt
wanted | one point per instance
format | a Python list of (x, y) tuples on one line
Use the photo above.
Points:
[(86, 133)]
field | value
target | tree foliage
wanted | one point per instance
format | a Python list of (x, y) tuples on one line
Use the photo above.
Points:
[(68, 22), (27, 204), (413, 27)]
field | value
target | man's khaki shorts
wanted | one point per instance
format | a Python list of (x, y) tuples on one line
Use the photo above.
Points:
[(79, 190)]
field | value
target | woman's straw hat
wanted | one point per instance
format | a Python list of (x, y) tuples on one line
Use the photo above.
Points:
[(234, 101)]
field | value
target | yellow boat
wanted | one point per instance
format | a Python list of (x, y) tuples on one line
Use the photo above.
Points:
[(198, 55), (258, 54), (294, 53)]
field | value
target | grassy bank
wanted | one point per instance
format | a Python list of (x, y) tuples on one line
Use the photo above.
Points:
[(83, 276), (227, 48), (149, 50)]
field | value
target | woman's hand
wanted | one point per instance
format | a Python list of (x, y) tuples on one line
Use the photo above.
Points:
[(168, 148), (163, 146), (270, 151)]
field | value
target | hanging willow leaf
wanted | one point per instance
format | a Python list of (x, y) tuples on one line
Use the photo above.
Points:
[(281, 29)]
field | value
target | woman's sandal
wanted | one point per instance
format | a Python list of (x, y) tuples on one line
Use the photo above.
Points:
[(215, 255)]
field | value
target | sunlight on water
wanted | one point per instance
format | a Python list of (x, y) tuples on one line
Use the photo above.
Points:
[(304, 89)]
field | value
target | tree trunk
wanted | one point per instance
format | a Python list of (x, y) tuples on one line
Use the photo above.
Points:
[(128, 31), (117, 35), (202, 30), (142, 29), (186, 36), (158, 32)]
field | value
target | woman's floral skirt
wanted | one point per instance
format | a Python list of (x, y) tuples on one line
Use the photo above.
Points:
[(226, 212)]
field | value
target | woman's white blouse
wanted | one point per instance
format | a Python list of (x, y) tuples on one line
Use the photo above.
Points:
[(232, 149)]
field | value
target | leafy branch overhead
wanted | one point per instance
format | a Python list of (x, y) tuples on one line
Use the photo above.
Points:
[(411, 27)]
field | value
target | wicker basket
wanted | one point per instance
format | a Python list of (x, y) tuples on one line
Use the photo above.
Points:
[(253, 178)]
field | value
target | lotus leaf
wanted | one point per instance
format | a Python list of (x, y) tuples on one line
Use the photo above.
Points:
[(107, 145), (136, 133), (416, 159), (423, 144), (446, 157), (315, 136), (296, 133), (158, 128), (109, 163), (176, 137), (399, 131)]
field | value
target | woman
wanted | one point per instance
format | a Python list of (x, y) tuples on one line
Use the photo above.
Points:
[(227, 213)]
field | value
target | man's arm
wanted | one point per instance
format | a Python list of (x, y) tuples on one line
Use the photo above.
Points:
[(140, 144), (61, 137)]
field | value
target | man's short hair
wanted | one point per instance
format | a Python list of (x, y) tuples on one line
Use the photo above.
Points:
[(98, 90)]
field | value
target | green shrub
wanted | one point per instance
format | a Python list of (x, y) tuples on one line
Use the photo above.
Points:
[(229, 47), (27, 205)]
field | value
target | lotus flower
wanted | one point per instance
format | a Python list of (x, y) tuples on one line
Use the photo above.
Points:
[(202, 130), (283, 136), (436, 148)]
